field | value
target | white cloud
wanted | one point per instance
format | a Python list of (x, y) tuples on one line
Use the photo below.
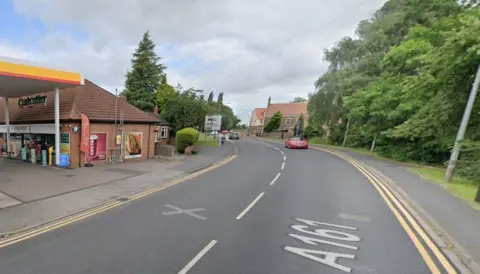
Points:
[(249, 49)]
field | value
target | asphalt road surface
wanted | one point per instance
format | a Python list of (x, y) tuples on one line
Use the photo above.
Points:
[(270, 210)]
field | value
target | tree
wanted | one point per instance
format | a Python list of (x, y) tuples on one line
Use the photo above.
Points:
[(164, 92), (298, 100), (220, 98), (274, 122), (301, 125), (184, 110), (403, 81), (144, 78), (210, 97)]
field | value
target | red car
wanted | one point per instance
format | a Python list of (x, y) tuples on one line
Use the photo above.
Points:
[(296, 142)]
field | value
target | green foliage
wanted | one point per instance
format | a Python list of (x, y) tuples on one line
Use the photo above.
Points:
[(313, 132), (143, 80), (302, 125), (164, 92), (405, 79), (274, 122), (220, 98), (187, 108), (186, 137), (210, 97), (298, 100)]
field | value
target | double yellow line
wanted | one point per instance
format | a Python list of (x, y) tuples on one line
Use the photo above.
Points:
[(99, 209), (403, 215)]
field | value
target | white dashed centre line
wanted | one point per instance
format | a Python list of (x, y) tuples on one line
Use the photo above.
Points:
[(283, 165), (275, 179), (282, 152), (250, 206), (284, 158), (198, 257)]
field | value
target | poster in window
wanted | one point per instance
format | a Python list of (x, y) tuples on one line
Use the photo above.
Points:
[(98, 146), (64, 143), (133, 145)]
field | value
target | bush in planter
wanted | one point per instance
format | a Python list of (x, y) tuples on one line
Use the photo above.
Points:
[(186, 137)]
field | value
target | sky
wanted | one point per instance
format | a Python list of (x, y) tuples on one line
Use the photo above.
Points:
[(248, 49)]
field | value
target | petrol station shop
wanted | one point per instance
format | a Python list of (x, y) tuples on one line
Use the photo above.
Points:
[(77, 124)]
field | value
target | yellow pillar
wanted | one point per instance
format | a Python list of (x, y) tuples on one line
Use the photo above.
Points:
[(50, 151)]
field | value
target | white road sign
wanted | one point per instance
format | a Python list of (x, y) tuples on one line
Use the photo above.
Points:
[(213, 122)]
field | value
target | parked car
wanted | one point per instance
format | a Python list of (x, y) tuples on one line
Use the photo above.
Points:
[(234, 136), (296, 142)]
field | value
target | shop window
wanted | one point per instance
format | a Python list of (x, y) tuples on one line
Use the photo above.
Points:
[(164, 133)]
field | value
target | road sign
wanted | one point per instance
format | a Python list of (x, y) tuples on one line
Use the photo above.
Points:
[(213, 122)]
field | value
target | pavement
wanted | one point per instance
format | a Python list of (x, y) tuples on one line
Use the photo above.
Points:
[(269, 210), (31, 195)]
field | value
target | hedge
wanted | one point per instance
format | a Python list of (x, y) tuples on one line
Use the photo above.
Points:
[(186, 137)]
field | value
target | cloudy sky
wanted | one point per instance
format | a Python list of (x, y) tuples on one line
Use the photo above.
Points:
[(249, 49)]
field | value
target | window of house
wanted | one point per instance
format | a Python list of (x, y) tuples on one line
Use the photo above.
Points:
[(157, 136), (288, 121), (164, 132)]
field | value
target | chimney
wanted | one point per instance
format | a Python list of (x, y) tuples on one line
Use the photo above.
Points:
[(155, 110), (269, 101)]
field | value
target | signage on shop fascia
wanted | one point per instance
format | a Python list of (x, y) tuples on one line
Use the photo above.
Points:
[(21, 129), (31, 101)]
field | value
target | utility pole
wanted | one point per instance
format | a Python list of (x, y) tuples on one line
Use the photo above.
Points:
[(461, 130), (346, 133)]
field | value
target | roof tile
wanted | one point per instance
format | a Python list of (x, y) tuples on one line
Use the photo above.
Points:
[(259, 112), (287, 109), (97, 103)]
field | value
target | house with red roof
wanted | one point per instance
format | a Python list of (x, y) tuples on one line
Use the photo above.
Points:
[(256, 121), (290, 114)]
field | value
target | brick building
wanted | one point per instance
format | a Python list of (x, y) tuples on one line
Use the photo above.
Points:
[(118, 131), (290, 114), (256, 121)]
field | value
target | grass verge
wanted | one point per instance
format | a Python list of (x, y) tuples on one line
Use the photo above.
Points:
[(460, 187), (206, 141)]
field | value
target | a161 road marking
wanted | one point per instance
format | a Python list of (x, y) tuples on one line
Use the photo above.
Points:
[(323, 236)]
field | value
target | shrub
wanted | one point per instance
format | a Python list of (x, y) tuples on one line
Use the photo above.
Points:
[(313, 132), (274, 122), (186, 137)]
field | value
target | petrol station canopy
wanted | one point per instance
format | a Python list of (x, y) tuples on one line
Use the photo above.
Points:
[(21, 78)]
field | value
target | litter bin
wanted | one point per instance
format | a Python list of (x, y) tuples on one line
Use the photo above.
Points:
[(54, 159)]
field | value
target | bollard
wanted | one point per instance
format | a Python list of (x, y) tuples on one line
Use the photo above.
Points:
[(33, 156), (50, 152), (44, 157)]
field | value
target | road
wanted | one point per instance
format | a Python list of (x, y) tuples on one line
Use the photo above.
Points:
[(270, 210)]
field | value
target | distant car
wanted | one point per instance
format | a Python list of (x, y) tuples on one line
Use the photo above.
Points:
[(234, 136), (296, 142)]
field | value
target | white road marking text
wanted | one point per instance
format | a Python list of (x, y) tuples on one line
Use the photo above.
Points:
[(326, 257)]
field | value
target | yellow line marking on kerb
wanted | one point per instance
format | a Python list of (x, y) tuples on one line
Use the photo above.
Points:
[(382, 189), (82, 215)]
